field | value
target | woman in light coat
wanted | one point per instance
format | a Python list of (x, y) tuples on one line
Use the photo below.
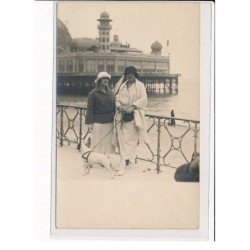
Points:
[(131, 101)]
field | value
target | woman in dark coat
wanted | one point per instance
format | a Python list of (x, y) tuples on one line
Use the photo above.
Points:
[(100, 114)]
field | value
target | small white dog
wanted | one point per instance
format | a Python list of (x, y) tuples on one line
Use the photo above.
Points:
[(105, 160)]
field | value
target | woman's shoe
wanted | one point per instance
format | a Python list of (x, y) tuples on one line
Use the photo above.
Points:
[(128, 162), (121, 169), (113, 175)]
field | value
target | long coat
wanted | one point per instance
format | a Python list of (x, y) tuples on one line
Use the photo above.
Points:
[(101, 106), (138, 98)]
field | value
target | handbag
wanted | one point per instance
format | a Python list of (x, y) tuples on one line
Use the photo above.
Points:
[(128, 117)]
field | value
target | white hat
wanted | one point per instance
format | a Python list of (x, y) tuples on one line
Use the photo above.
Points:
[(102, 75)]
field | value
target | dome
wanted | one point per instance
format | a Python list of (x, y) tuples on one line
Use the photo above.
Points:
[(116, 42), (83, 43), (63, 36), (104, 15), (156, 46)]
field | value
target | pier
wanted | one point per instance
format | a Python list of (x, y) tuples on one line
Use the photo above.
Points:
[(82, 85), (79, 60)]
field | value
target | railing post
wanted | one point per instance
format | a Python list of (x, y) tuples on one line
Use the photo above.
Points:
[(158, 144), (170, 86), (177, 85), (80, 132), (61, 129)]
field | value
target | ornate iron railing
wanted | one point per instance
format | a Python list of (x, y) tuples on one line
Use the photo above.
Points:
[(169, 146)]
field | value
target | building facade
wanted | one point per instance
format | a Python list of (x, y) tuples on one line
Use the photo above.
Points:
[(87, 57), (84, 63)]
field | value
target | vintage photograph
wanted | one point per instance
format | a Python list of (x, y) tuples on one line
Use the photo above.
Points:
[(127, 115)]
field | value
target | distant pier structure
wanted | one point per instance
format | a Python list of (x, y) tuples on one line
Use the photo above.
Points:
[(79, 60)]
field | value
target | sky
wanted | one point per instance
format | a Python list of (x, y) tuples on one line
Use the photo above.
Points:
[(142, 23)]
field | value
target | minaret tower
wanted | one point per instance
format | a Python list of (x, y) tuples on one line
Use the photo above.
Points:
[(104, 32)]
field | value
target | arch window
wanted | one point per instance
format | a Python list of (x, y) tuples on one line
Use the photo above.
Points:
[(100, 65), (90, 66), (136, 64), (121, 65), (110, 66), (149, 67), (162, 67), (61, 66), (69, 65), (80, 65)]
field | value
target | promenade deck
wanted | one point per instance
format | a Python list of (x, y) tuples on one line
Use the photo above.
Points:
[(139, 199)]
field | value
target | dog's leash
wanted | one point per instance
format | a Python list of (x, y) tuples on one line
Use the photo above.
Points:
[(86, 154)]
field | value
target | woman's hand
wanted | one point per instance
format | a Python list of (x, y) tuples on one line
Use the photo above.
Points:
[(127, 109), (130, 109), (122, 108), (90, 128)]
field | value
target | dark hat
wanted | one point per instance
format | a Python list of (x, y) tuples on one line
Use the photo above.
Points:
[(131, 70)]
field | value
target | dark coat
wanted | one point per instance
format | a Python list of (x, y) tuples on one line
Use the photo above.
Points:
[(101, 106), (184, 174), (189, 172)]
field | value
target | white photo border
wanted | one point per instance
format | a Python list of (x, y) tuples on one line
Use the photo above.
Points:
[(206, 229)]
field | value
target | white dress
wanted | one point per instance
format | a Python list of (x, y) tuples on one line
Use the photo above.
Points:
[(99, 132)]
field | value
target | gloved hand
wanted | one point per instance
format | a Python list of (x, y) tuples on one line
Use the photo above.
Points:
[(122, 108), (130, 109)]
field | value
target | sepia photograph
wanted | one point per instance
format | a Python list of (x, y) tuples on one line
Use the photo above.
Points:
[(127, 115)]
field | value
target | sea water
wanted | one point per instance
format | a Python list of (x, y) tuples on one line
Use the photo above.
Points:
[(186, 104)]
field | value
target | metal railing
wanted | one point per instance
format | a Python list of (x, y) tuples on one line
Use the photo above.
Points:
[(169, 145)]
